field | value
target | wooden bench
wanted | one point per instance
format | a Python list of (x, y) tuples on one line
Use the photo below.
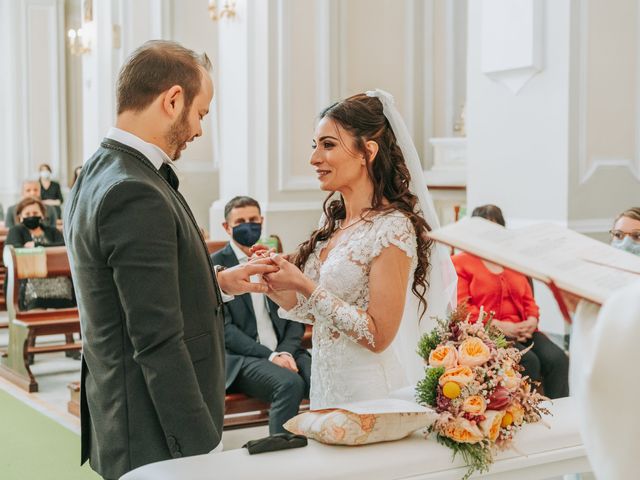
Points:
[(26, 326)]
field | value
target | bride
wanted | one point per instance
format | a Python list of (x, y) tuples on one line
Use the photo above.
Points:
[(368, 279)]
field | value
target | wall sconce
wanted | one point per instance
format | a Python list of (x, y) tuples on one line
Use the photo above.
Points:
[(228, 10), (79, 43)]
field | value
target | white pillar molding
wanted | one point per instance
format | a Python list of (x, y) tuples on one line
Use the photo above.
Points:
[(256, 111), (242, 106), (12, 125), (419, 58), (99, 72), (34, 112), (512, 41), (589, 164), (455, 62)]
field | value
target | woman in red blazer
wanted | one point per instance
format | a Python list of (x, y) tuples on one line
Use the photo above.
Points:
[(508, 294)]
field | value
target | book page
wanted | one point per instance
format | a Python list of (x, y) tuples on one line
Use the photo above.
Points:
[(546, 251)]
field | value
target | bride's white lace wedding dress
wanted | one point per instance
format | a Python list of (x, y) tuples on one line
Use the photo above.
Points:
[(343, 370)]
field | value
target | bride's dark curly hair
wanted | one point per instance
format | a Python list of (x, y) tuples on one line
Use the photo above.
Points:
[(363, 117)]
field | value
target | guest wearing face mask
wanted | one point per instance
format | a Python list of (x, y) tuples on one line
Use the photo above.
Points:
[(32, 231), (264, 356), (31, 188), (50, 191), (625, 234)]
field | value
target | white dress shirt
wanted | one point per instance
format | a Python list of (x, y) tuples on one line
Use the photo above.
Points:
[(156, 156), (266, 332)]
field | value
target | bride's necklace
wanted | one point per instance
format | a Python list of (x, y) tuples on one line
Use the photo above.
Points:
[(340, 227)]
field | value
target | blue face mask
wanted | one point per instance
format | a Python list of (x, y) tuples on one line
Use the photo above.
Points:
[(247, 234), (627, 244)]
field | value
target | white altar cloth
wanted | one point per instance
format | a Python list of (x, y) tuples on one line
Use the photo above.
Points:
[(549, 452)]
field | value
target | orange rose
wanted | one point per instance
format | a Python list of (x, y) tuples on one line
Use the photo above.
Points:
[(443, 356), (511, 378), (463, 431), (491, 424), (474, 404), (460, 375), (517, 412), (473, 352)]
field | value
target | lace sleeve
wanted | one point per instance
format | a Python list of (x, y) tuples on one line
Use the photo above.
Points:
[(395, 229), (301, 312), (348, 319)]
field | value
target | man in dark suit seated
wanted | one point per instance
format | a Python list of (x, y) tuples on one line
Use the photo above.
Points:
[(31, 188), (264, 356)]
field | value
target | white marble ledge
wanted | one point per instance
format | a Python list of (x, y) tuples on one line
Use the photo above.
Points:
[(549, 452)]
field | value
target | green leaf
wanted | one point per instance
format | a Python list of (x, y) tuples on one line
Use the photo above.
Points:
[(477, 456), (427, 343), (427, 388)]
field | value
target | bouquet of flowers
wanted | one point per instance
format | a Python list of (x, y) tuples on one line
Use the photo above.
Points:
[(474, 382)]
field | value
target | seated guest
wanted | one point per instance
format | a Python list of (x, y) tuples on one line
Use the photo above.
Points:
[(32, 231), (509, 296), (50, 191), (31, 188), (264, 356), (625, 234)]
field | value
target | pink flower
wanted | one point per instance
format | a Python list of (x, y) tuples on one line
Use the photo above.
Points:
[(499, 399)]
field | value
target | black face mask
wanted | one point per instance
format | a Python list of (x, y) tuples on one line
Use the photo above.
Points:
[(247, 234), (32, 222)]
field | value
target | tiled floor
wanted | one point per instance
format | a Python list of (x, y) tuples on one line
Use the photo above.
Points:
[(54, 372)]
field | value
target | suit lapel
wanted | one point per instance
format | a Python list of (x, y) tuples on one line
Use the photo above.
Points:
[(111, 144)]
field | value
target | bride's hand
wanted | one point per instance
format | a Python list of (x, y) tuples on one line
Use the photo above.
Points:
[(288, 277)]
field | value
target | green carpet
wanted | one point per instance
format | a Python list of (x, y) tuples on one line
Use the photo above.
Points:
[(32, 446)]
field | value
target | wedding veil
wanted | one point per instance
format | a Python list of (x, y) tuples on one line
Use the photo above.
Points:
[(441, 294)]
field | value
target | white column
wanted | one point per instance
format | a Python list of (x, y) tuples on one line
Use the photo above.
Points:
[(518, 115), (33, 116), (99, 70), (263, 135)]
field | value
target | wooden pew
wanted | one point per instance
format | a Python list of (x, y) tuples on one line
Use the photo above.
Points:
[(26, 326)]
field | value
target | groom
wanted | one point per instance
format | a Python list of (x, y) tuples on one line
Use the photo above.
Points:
[(150, 303)]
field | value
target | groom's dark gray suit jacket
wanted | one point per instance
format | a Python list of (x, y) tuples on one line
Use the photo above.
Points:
[(151, 315)]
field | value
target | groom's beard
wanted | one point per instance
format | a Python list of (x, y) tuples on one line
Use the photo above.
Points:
[(178, 135)]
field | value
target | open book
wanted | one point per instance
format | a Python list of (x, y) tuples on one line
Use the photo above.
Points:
[(553, 254)]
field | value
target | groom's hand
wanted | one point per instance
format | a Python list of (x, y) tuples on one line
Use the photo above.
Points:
[(237, 280)]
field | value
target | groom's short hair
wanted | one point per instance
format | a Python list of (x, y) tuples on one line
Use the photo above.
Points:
[(239, 202), (154, 68)]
